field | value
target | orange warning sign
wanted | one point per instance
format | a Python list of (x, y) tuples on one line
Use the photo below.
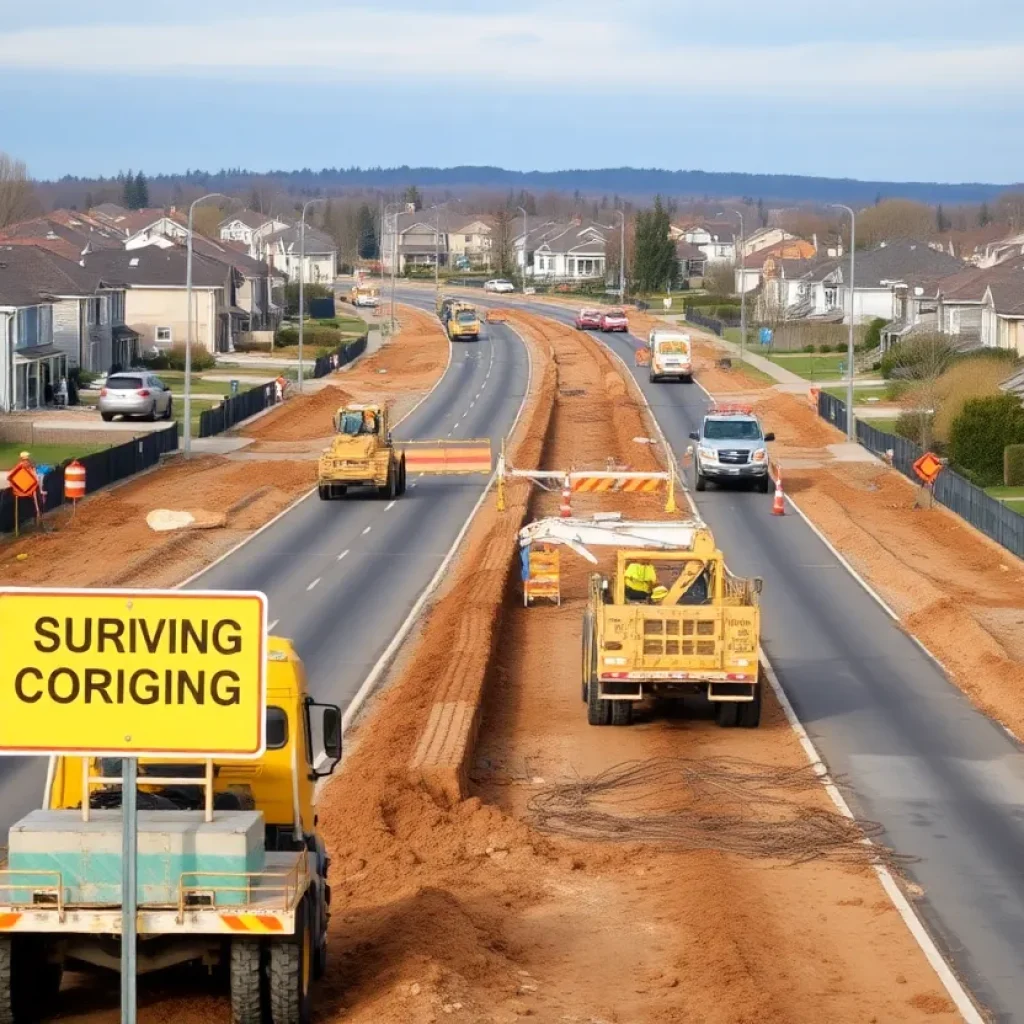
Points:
[(23, 481), (928, 467)]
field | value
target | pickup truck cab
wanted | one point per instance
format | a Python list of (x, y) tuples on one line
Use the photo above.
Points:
[(731, 448), (588, 320), (614, 320)]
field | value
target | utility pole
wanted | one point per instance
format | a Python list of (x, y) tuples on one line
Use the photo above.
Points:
[(186, 427), (394, 253), (743, 292), (526, 235), (851, 429), (622, 259), (302, 275)]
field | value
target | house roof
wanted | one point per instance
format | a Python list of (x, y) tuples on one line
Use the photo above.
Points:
[(28, 274), (788, 249), (316, 241), (720, 232), (152, 265), (971, 284), (576, 238), (108, 210), (687, 251), (250, 218), (468, 225), (902, 261), (76, 231)]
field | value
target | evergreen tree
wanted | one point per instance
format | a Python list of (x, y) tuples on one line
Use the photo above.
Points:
[(412, 196), (984, 217), (367, 233), (128, 191), (654, 264), (141, 192), (942, 224), (762, 213)]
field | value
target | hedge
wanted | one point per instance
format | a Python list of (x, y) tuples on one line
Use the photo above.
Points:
[(312, 335), (980, 434), (1013, 465)]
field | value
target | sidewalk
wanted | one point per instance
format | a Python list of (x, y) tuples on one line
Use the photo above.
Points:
[(780, 373)]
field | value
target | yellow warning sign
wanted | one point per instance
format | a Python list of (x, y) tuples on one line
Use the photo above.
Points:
[(139, 673)]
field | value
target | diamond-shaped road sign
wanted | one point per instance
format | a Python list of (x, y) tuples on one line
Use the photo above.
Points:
[(928, 467), (23, 481)]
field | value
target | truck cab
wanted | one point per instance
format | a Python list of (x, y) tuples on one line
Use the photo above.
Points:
[(464, 323), (731, 447)]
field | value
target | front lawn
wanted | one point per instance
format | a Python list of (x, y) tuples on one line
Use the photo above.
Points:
[(45, 454)]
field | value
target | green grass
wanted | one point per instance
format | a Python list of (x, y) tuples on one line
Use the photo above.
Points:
[(810, 365), (887, 426), (1012, 496), (861, 395), (45, 454)]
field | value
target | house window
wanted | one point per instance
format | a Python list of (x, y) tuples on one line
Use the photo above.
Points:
[(94, 312), (163, 335)]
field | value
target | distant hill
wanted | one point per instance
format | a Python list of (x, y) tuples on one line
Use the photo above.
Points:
[(630, 182)]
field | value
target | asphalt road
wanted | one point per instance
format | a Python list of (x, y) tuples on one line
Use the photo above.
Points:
[(946, 782), (341, 576)]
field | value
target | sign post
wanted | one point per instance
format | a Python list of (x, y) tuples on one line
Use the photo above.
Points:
[(129, 674)]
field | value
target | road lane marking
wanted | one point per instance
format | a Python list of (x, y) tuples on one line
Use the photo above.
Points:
[(343, 554), (367, 530), (389, 507), (271, 625), (314, 583)]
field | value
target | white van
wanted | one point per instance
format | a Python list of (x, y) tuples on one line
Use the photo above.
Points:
[(670, 355)]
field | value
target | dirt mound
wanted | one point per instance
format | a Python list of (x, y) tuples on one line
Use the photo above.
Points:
[(300, 417)]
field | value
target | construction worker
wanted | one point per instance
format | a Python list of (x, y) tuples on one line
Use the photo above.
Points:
[(640, 580), (658, 594), (369, 423)]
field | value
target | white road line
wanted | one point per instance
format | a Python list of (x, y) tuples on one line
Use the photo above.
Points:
[(271, 625), (389, 507), (314, 583), (471, 404), (413, 484), (367, 530), (343, 554)]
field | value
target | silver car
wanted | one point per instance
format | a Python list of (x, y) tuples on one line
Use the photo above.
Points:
[(731, 448), (135, 393)]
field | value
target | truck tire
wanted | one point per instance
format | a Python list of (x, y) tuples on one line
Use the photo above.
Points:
[(29, 984), (652, 378), (599, 711), (622, 712), (401, 477), (246, 982), (767, 484), (727, 714), (701, 482), (324, 490), (291, 973), (750, 714)]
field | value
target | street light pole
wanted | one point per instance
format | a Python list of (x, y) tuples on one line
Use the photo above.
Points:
[(851, 431), (743, 291), (186, 429), (394, 255), (622, 259), (526, 233), (302, 275)]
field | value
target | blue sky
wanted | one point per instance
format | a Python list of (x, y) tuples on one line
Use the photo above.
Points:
[(889, 89)]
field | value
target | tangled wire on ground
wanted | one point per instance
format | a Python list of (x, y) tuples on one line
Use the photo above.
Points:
[(721, 803)]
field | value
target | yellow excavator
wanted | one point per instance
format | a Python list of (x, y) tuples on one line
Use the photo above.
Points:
[(363, 454)]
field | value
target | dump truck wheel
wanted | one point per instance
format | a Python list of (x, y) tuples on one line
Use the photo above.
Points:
[(291, 973), (247, 986), (599, 711), (29, 985), (401, 477), (750, 714), (622, 712), (324, 490), (727, 714)]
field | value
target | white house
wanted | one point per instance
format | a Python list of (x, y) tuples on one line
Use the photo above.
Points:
[(558, 251), (165, 226), (716, 241), (416, 238), (247, 226), (282, 250)]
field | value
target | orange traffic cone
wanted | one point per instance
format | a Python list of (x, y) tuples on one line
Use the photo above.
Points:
[(566, 510), (779, 504)]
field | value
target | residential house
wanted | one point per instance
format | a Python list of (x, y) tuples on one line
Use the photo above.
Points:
[(414, 239), (750, 272), (31, 365), (1002, 250), (717, 242), (282, 249), (563, 252), (471, 242), (249, 227), (155, 300), (136, 227), (795, 288), (983, 306), (764, 238), (693, 262), (65, 232)]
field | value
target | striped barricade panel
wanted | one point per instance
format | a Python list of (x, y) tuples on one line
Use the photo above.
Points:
[(448, 457), (629, 485)]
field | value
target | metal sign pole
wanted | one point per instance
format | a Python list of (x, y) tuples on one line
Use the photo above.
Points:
[(129, 892)]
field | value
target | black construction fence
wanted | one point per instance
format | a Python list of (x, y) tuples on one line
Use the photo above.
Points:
[(343, 354), (237, 408), (695, 316), (958, 494), (101, 469)]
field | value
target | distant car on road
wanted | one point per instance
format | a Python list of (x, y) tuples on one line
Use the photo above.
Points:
[(135, 393), (614, 320), (588, 320), (499, 285)]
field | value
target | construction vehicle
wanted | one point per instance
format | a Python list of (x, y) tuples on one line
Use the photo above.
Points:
[(700, 638), (231, 871), (444, 308), (671, 355), (464, 323), (363, 453), (365, 295), (731, 448)]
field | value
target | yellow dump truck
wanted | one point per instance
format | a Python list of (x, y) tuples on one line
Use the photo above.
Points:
[(362, 453), (688, 628), (230, 868), (463, 323), (365, 295)]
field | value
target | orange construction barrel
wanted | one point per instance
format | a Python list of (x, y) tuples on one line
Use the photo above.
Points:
[(74, 481)]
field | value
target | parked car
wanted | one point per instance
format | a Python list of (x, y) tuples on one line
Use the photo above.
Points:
[(614, 320), (499, 285), (135, 393), (588, 320)]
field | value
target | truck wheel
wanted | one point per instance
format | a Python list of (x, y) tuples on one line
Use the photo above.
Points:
[(750, 714), (291, 972), (29, 985), (622, 712), (701, 483), (599, 711), (246, 982), (727, 714), (766, 484), (324, 490), (652, 379), (401, 477)]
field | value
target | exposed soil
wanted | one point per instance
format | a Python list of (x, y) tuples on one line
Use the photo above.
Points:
[(302, 417)]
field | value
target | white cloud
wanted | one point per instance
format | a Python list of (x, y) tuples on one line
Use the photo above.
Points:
[(579, 54)]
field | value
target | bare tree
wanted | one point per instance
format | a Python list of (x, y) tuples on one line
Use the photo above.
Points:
[(922, 359), (894, 219), (17, 197), (720, 278)]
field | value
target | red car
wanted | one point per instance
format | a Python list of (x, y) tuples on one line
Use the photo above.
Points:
[(588, 320), (614, 320)]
